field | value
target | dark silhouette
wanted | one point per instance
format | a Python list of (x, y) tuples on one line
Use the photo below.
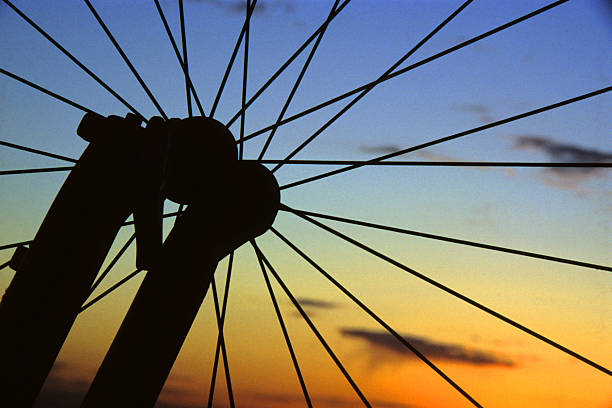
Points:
[(129, 169)]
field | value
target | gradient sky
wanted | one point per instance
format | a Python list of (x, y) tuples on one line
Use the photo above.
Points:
[(555, 56)]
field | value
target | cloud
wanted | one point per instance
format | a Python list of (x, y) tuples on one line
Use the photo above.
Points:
[(311, 304), (429, 155), (177, 387), (62, 388), (59, 397), (606, 5), (482, 216), (481, 111), (380, 149), (325, 401), (561, 151), (238, 6), (65, 388), (570, 178), (317, 303), (381, 342)]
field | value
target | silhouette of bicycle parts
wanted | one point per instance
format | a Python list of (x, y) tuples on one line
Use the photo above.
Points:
[(307, 50)]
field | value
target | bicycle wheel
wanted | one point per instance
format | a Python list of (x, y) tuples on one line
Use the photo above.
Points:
[(475, 98)]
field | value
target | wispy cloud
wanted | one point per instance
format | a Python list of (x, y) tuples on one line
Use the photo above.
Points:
[(238, 6), (317, 303), (573, 179), (482, 112), (433, 156), (564, 152), (430, 155), (381, 342), (62, 388), (313, 306), (570, 178), (482, 216), (167, 404), (325, 401), (380, 149), (66, 388)]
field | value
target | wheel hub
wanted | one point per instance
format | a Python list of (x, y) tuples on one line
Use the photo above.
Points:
[(233, 200)]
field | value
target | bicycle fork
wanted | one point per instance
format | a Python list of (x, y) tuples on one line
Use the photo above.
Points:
[(123, 171)]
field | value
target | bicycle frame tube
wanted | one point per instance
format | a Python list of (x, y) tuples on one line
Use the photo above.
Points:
[(151, 335), (55, 275)]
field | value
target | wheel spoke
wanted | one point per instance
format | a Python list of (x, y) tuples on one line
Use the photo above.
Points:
[(376, 317), (453, 136), (284, 329), (230, 64), (455, 294), (39, 170), (449, 239), (109, 290), (408, 68), (112, 263), (179, 212), (287, 63), (126, 223), (167, 215), (74, 59), (245, 69), (297, 83), (36, 151), (126, 59), (312, 326), (185, 60), (219, 338), (46, 91), (367, 90), (436, 163), (182, 63), (185, 64), (228, 381), (15, 245)]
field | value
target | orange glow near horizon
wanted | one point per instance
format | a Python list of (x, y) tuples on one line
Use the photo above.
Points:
[(262, 374)]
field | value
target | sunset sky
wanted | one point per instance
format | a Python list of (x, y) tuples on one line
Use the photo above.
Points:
[(562, 212)]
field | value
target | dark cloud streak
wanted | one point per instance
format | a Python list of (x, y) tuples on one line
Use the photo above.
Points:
[(382, 341), (380, 149), (65, 388), (569, 178), (326, 401), (262, 7), (317, 303), (310, 305), (481, 111), (563, 152)]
